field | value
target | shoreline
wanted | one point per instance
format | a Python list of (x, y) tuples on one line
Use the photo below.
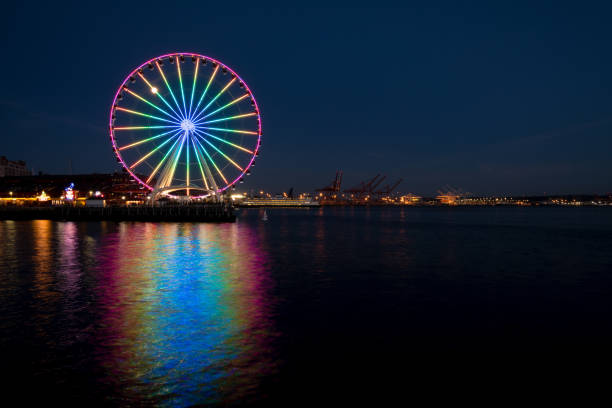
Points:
[(193, 213)]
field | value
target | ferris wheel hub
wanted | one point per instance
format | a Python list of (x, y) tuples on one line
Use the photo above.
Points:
[(187, 125)]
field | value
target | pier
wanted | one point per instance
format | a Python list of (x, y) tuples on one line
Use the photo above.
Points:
[(212, 212)]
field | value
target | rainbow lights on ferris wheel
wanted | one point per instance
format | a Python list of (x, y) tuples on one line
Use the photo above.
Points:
[(187, 123)]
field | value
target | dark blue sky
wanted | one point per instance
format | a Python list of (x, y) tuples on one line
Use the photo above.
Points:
[(504, 97)]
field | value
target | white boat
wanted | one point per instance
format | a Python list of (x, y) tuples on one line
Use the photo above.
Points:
[(265, 216), (278, 202)]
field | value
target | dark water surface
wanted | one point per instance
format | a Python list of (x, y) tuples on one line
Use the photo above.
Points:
[(311, 304)]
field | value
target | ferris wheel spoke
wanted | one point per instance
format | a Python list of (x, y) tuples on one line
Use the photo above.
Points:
[(148, 139), (225, 106), (245, 115), (161, 71), (227, 142), (143, 114), (193, 87), (143, 127), (156, 92), (178, 68), (212, 76), (156, 169), (150, 103), (223, 154), (175, 161), (146, 156), (201, 152), (195, 150), (244, 132), (216, 97), (212, 161)]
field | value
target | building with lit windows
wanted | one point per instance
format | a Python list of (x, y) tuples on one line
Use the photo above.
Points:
[(10, 168)]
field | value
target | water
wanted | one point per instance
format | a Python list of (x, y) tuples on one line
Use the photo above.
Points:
[(309, 305)]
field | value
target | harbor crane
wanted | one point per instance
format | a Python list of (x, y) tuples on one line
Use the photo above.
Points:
[(363, 187), (388, 189), (334, 187)]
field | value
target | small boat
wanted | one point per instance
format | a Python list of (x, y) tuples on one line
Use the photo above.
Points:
[(265, 216)]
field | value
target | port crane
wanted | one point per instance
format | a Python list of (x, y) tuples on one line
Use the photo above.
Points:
[(362, 191), (334, 187), (365, 187), (388, 189)]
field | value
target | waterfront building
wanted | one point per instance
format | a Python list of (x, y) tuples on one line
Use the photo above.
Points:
[(10, 168), (410, 199), (114, 188)]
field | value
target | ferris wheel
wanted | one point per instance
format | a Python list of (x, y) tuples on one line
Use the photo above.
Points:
[(184, 124)]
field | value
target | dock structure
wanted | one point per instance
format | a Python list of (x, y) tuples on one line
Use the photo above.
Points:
[(213, 212)]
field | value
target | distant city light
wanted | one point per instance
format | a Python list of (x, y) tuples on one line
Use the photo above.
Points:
[(43, 197)]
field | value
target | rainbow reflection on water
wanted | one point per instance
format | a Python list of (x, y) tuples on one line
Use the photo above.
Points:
[(185, 310), (172, 314)]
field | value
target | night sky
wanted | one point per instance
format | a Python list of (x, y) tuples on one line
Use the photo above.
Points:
[(504, 97)]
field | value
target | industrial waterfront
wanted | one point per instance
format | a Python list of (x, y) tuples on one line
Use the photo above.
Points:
[(119, 190)]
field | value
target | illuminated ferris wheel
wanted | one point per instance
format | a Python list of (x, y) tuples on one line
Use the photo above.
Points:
[(185, 124)]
